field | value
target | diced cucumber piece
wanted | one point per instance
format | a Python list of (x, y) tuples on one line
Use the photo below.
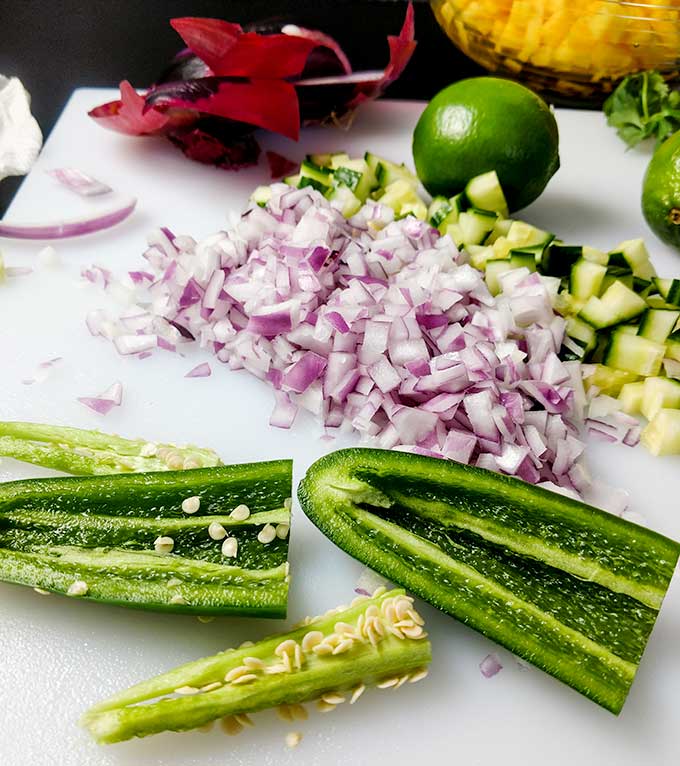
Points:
[(339, 159), (343, 199), (292, 180), (455, 232), (388, 172), (659, 393), (417, 209), (524, 235), (347, 177), (662, 435), (582, 332), (355, 174), (669, 289), (516, 235), (673, 346), (658, 324), (585, 279), (439, 208), (485, 192), (617, 274), (481, 255), (493, 271), (261, 195), (397, 194), (458, 203), (635, 255), (642, 286), (657, 302), (595, 255), (535, 251), (629, 329), (557, 259), (609, 381), (475, 225), (631, 397), (633, 353), (500, 229), (567, 305), (617, 304), (323, 160), (372, 160), (317, 177), (521, 259)]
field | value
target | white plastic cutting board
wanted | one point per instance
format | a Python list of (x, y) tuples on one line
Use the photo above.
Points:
[(58, 656)]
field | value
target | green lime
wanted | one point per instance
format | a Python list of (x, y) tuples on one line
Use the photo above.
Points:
[(483, 124), (661, 192)]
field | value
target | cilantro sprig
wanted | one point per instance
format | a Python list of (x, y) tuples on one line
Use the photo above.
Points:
[(643, 106)]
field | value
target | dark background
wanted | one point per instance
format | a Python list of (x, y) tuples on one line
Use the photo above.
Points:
[(55, 46)]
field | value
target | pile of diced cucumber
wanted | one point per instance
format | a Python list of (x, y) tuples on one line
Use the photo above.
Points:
[(621, 317)]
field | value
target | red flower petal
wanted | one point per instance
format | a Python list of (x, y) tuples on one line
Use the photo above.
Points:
[(266, 56), (209, 39), (321, 39), (268, 104), (279, 165), (230, 152), (229, 52), (331, 99), (401, 50), (128, 116)]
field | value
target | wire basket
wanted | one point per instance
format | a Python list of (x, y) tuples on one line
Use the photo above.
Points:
[(569, 50)]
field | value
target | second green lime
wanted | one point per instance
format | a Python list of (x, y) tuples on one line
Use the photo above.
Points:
[(482, 124), (661, 192)]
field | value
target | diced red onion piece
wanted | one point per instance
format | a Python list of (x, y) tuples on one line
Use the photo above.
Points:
[(368, 581), (79, 182), (106, 401), (490, 665), (97, 404), (42, 372), (134, 344), (284, 412), (114, 392), (200, 371)]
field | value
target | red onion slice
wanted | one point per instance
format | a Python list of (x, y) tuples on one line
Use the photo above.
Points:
[(102, 219), (79, 182)]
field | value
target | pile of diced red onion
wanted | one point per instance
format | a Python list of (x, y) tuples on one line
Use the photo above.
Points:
[(381, 325)]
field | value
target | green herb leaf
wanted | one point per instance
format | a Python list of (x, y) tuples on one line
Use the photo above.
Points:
[(642, 106)]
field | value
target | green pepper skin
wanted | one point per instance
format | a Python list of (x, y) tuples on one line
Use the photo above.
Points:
[(570, 588), (151, 706), (101, 530), (86, 452)]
